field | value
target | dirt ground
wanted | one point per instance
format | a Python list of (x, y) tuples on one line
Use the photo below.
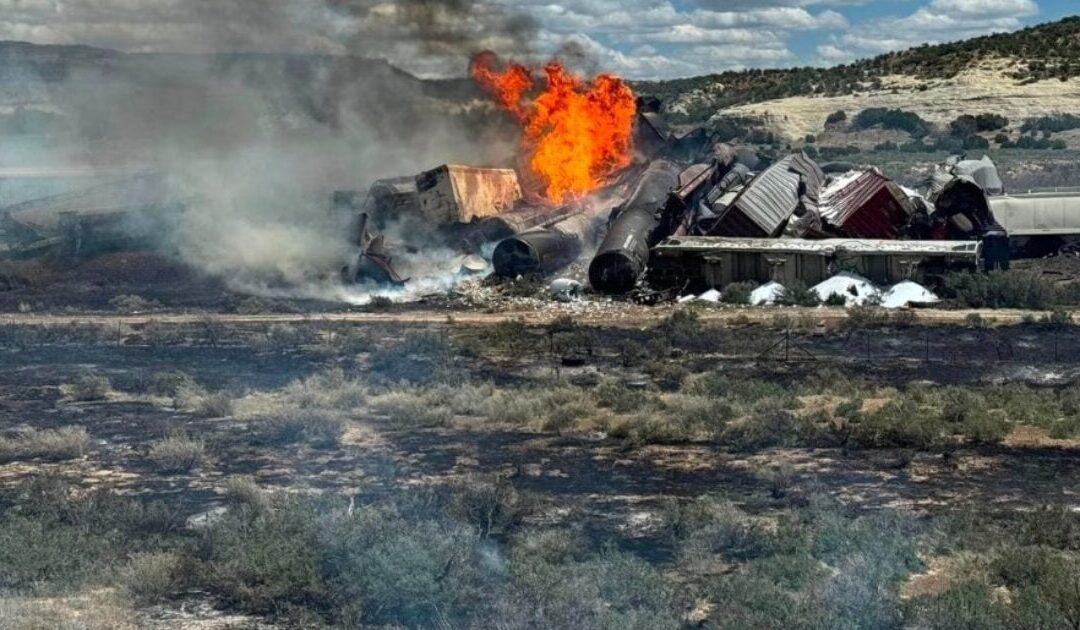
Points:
[(609, 488), (608, 315), (583, 475)]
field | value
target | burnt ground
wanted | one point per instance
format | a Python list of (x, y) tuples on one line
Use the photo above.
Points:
[(613, 490), (86, 285), (581, 477)]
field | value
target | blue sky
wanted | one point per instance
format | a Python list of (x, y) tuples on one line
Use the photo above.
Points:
[(636, 38)]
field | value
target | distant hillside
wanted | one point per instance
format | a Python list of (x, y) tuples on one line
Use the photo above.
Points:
[(90, 106), (23, 61), (40, 84), (1047, 51), (1032, 73)]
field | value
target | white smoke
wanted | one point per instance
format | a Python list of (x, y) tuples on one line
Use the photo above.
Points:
[(255, 144)]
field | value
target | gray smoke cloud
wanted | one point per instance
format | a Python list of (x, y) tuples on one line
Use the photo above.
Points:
[(257, 142), (422, 36), (453, 27)]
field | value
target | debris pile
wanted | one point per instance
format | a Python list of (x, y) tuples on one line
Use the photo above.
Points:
[(601, 183), (126, 212), (672, 226)]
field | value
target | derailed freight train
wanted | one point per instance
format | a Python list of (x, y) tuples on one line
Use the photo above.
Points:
[(674, 224), (486, 215), (793, 222)]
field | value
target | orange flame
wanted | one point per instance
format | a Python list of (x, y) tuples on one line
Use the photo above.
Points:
[(577, 133)]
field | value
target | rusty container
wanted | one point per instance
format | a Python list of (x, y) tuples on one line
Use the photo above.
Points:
[(459, 194)]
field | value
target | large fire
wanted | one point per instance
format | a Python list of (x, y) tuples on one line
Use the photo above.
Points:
[(576, 133)]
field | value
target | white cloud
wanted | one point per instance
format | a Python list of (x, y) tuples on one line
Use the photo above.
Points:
[(691, 34), (741, 5), (984, 8), (711, 37), (832, 54), (787, 18)]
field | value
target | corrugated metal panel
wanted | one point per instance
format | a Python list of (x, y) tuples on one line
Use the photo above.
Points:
[(710, 244), (394, 186), (716, 261), (771, 197), (390, 197), (735, 223), (870, 206)]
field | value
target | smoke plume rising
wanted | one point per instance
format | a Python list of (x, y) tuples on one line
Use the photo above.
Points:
[(256, 142)]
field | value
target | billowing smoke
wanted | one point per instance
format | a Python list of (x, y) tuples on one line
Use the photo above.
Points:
[(441, 30), (413, 34), (256, 142)]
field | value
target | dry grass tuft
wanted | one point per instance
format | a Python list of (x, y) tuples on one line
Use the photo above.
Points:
[(166, 383), (279, 422), (194, 399), (244, 491), (331, 389), (153, 577), (50, 444), (88, 387), (465, 399), (557, 408), (101, 610), (412, 407), (177, 454)]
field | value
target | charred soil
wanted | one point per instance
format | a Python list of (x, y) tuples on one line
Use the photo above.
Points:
[(696, 451)]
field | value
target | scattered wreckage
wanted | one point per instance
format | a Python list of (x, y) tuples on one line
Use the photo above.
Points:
[(670, 224), (485, 212), (716, 262), (688, 215), (127, 212)]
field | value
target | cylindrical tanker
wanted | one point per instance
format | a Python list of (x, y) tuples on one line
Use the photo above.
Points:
[(545, 250), (539, 251), (525, 218), (622, 256)]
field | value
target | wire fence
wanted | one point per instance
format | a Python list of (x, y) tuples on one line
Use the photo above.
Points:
[(930, 345)]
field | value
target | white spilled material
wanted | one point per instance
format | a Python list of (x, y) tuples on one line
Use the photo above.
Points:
[(855, 289), (767, 294), (712, 295), (908, 292)]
